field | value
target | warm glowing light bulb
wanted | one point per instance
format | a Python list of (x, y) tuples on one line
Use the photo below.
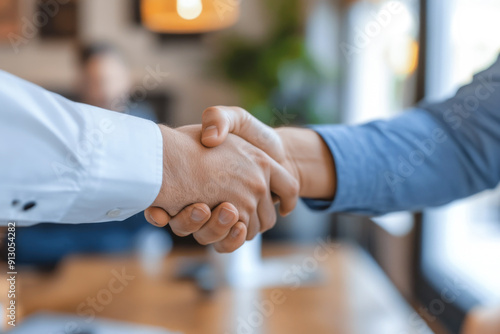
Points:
[(189, 9)]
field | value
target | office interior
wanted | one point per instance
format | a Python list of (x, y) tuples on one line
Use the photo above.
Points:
[(289, 63)]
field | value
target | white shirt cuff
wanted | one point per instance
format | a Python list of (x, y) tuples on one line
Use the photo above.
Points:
[(126, 167)]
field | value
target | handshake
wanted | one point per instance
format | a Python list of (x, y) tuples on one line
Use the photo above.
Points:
[(222, 179)]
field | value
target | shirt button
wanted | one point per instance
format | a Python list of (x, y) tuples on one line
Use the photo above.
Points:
[(114, 213), (28, 206)]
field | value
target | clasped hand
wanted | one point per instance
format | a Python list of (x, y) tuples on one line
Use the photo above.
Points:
[(239, 177)]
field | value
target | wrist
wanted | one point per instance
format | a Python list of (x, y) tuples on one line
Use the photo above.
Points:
[(176, 170), (292, 155), (312, 162)]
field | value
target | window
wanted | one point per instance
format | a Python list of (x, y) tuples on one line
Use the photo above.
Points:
[(462, 240)]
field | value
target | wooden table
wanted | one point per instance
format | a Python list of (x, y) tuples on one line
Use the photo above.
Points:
[(354, 296)]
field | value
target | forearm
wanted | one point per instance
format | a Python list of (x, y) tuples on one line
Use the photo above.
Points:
[(311, 161)]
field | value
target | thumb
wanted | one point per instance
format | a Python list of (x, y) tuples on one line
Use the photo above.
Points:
[(218, 121)]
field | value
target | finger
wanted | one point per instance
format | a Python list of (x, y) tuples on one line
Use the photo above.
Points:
[(224, 217), (156, 216), (285, 186), (219, 121), (234, 240), (267, 213), (253, 226), (216, 124), (190, 219)]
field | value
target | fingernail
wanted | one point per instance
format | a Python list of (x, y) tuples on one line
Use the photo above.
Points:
[(153, 220), (235, 232), (226, 216), (198, 215), (210, 132)]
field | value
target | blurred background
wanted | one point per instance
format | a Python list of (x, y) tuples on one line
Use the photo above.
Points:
[(288, 62)]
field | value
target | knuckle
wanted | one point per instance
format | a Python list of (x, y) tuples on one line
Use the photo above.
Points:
[(244, 218), (253, 229), (242, 114), (240, 111), (211, 112), (261, 189), (252, 208), (263, 160), (269, 222), (294, 188)]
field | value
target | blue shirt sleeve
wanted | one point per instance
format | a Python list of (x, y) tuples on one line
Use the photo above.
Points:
[(429, 156)]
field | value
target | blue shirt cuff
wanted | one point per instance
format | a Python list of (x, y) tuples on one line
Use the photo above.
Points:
[(349, 155)]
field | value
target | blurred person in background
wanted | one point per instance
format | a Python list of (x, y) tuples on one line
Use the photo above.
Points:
[(106, 81)]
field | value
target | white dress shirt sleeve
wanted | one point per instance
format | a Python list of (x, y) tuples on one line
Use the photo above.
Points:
[(66, 162)]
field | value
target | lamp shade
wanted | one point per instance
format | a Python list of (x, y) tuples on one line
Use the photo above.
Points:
[(189, 16)]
